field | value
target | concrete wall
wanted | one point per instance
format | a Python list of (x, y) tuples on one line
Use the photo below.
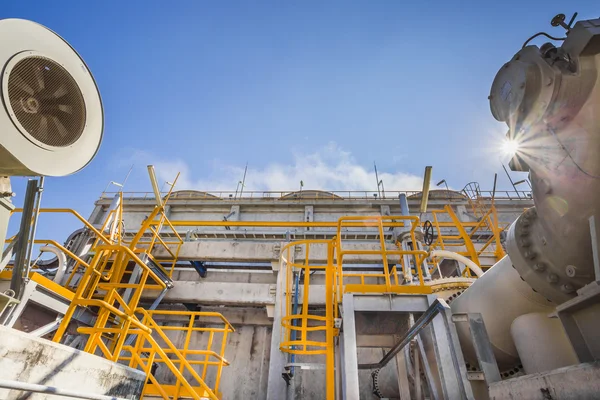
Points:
[(292, 210), (578, 382), (248, 351), (25, 358)]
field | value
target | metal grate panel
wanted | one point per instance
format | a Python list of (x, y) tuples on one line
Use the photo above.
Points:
[(46, 101)]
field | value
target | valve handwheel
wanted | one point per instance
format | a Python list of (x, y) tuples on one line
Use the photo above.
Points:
[(428, 233)]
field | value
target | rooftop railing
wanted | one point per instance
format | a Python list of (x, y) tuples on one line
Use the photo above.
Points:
[(322, 195)]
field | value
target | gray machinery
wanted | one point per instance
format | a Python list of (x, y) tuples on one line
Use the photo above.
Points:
[(541, 303)]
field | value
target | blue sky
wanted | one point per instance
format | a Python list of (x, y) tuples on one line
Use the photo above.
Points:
[(312, 91)]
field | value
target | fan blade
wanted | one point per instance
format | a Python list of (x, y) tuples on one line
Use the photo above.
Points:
[(21, 84), (43, 128), (39, 76), (65, 108), (61, 128), (60, 92)]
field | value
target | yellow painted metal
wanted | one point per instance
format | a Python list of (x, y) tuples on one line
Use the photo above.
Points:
[(43, 281), (52, 286), (392, 283), (488, 222), (310, 323), (425, 192), (73, 212), (101, 287), (298, 326), (468, 243), (179, 360)]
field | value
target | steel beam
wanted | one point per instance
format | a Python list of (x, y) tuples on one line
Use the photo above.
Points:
[(483, 349), (46, 329), (24, 237), (414, 330), (433, 393), (579, 319), (451, 363), (399, 303), (403, 384)]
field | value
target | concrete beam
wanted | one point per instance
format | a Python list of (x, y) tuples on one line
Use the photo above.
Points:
[(575, 382), (230, 293), (225, 250), (258, 251), (220, 293), (375, 341), (400, 303), (263, 294), (235, 316)]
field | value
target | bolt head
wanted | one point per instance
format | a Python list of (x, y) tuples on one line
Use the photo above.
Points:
[(525, 242), (552, 278), (571, 271), (530, 254), (567, 288), (540, 267)]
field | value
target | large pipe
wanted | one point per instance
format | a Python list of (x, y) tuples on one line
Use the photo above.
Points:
[(61, 260), (555, 128), (542, 343), (32, 387), (455, 256), (500, 295)]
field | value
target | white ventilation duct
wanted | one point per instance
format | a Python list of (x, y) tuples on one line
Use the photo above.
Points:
[(52, 119)]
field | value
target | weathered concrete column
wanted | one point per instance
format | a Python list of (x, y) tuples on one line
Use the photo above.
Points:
[(350, 389), (276, 387)]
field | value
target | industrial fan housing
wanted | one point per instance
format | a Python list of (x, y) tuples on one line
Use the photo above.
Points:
[(51, 122)]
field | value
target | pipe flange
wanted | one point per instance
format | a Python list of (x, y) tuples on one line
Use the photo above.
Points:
[(406, 236), (376, 389), (531, 256)]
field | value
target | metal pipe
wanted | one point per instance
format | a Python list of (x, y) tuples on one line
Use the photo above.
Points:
[(455, 256), (295, 312), (61, 260), (425, 192), (404, 210), (425, 319), (46, 329), (155, 187), (32, 387)]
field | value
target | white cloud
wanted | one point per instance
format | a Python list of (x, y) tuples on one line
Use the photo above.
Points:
[(330, 168)]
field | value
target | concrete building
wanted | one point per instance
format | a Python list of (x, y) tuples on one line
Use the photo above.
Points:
[(309, 294)]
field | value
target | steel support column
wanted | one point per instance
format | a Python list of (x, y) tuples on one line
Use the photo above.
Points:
[(24, 237), (451, 364)]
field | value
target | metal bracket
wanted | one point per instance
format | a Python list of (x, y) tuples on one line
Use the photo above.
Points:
[(483, 348), (595, 247), (306, 366), (588, 296), (476, 376)]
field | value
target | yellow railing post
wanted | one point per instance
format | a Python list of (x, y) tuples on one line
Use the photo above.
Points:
[(330, 355)]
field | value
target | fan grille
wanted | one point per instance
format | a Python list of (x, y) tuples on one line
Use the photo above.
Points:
[(46, 101)]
